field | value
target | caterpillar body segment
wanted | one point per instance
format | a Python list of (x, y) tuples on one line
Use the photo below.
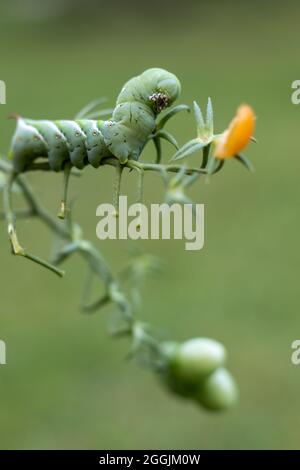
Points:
[(79, 142), (85, 141)]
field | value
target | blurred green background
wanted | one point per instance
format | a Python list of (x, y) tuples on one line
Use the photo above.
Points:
[(67, 383)]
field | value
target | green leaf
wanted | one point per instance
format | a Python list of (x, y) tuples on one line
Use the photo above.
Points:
[(214, 165), (219, 166), (188, 149), (89, 107), (172, 112), (241, 158), (157, 144), (205, 129), (209, 118), (99, 114), (205, 156), (199, 119), (167, 136), (211, 165)]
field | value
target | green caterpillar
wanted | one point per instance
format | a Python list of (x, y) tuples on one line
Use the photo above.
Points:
[(86, 142)]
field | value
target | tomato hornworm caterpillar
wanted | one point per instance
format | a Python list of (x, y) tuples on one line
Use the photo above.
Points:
[(66, 144), (84, 141)]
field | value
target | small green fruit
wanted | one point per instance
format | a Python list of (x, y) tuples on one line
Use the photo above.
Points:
[(179, 387), (197, 358), (218, 391), (169, 350)]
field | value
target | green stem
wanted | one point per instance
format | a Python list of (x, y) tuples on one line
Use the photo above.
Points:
[(21, 214), (160, 167), (10, 218)]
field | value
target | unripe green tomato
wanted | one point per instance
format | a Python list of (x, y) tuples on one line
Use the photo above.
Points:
[(197, 358), (218, 391), (179, 387), (169, 350)]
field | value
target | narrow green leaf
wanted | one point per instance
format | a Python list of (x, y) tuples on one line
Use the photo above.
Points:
[(188, 149), (241, 158), (99, 114), (157, 144), (167, 136), (186, 146), (199, 119), (89, 107), (211, 165), (209, 117), (172, 112), (205, 156), (219, 166)]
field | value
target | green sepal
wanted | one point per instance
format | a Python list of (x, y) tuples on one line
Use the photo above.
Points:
[(214, 165), (241, 158), (205, 156), (188, 149), (209, 118), (200, 124), (205, 128), (219, 166)]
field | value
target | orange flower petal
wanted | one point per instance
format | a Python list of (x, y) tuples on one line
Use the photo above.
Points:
[(238, 134)]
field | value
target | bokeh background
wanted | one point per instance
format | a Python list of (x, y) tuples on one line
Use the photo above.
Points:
[(67, 383)]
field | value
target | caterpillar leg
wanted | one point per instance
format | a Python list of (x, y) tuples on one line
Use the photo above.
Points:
[(117, 188), (140, 188), (63, 204), (17, 249)]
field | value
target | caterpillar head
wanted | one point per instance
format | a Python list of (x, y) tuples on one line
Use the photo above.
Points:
[(133, 119), (160, 101), (164, 88)]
